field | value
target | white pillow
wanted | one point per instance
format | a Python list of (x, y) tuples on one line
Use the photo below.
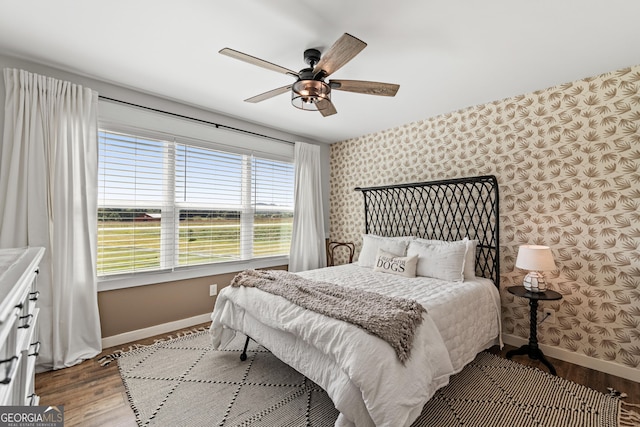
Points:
[(390, 263), (441, 261), (371, 243), (470, 255), (470, 259)]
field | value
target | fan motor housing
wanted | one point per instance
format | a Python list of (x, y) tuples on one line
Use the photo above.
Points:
[(307, 74)]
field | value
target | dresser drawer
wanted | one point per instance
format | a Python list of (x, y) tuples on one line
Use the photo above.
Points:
[(31, 298), (10, 391), (9, 346)]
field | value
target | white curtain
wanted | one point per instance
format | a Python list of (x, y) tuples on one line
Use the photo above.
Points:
[(307, 240), (48, 182)]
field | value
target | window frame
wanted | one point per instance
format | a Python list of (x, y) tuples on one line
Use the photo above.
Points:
[(119, 119)]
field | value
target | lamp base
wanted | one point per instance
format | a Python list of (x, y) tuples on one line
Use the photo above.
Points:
[(534, 282)]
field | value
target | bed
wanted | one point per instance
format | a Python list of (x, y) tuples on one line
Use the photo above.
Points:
[(438, 222)]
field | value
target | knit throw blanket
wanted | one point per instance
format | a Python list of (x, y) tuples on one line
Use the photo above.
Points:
[(392, 319)]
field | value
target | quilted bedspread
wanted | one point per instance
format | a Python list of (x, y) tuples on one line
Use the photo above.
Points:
[(395, 320), (360, 372)]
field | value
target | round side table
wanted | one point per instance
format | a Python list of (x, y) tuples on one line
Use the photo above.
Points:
[(531, 349)]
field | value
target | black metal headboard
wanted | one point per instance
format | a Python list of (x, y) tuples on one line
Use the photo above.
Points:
[(449, 210)]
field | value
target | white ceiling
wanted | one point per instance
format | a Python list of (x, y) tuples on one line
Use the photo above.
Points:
[(445, 54)]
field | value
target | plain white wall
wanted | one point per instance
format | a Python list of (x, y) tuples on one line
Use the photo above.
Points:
[(112, 90)]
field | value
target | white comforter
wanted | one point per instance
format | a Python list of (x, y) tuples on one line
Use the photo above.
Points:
[(360, 372)]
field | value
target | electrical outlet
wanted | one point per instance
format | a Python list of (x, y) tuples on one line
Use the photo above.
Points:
[(550, 316), (213, 290)]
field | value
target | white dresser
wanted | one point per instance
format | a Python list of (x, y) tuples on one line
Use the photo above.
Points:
[(19, 345)]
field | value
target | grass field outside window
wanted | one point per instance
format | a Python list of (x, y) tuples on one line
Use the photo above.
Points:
[(125, 246)]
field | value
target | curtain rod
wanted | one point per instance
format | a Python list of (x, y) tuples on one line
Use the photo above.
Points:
[(217, 125)]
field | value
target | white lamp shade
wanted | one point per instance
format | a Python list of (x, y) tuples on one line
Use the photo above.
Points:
[(535, 258)]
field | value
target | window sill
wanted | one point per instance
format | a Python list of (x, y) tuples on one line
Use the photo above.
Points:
[(154, 277)]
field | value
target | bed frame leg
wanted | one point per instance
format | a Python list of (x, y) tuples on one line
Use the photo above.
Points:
[(243, 356)]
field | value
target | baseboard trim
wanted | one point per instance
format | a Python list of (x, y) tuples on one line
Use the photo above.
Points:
[(164, 328), (605, 366)]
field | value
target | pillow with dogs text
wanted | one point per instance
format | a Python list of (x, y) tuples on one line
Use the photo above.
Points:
[(387, 262)]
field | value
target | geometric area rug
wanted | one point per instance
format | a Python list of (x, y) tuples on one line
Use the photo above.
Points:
[(184, 382)]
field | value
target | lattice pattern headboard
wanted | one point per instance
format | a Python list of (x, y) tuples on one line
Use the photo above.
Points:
[(449, 210)]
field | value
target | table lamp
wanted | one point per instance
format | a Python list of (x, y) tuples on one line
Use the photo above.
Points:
[(536, 259)]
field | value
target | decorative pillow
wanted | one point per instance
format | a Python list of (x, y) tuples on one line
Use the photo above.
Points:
[(441, 261), (390, 263), (470, 255), (470, 259), (371, 243)]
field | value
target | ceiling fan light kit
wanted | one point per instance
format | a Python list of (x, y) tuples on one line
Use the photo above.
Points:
[(310, 91), (310, 95)]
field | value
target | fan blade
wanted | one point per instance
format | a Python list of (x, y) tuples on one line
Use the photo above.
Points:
[(270, 94), (257, 61), (342, 51), (326, 108), (369, 88)]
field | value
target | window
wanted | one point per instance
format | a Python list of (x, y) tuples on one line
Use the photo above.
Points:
[(165, 204)]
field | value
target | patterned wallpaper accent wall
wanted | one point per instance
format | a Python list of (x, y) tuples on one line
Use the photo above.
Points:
[(567, 159)]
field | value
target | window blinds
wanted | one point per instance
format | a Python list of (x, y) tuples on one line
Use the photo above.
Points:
[(132, 179), (170, 204), (272, 189)]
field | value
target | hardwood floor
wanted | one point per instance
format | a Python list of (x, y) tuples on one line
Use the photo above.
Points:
[(593, 379), (93, 395)]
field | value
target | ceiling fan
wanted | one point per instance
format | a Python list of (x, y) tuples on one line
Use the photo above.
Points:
[(311, 91)]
